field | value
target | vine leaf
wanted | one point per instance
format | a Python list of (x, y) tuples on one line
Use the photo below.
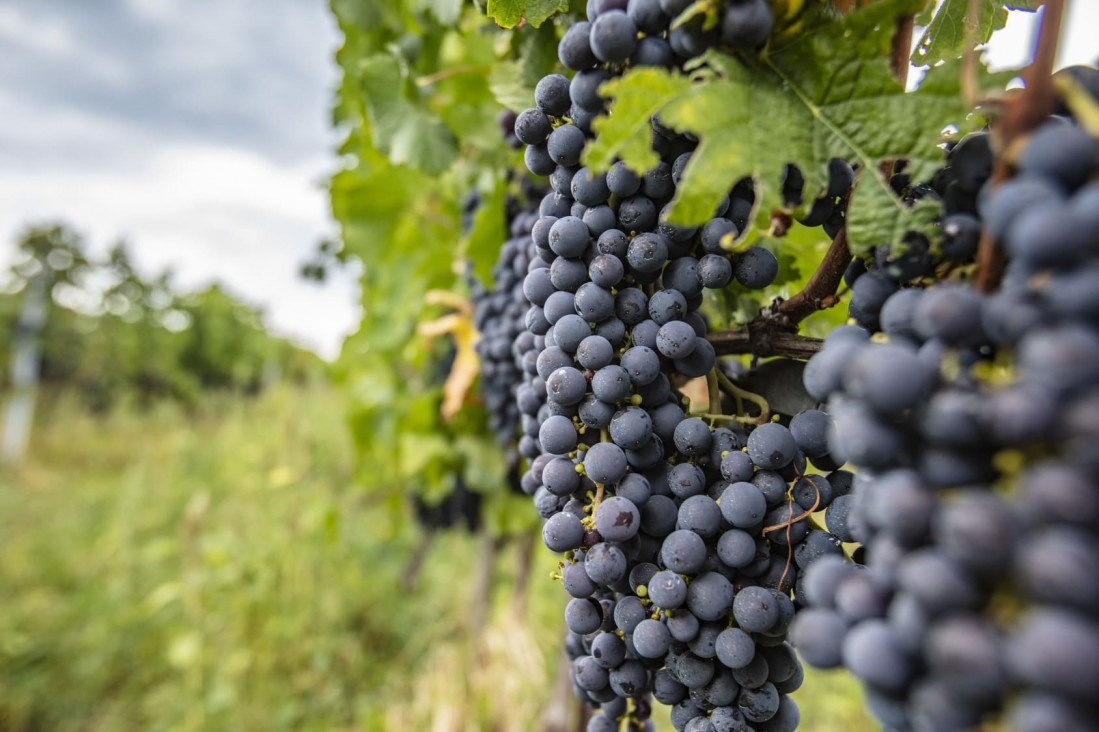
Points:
[(535, 55), (510, 13), (402, 128), (945, 36), (627, 132), (506, 83), (827, 93)]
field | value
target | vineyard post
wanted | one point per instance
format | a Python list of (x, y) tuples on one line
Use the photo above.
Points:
[(25, 359)]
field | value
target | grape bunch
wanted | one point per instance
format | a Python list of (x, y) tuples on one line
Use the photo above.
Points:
[(974, 425), (829, 210), (684, 539), (681, 574)]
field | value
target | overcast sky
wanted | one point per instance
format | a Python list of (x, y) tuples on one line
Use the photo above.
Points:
[(198, 130)]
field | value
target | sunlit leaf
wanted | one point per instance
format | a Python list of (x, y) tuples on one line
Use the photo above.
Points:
[(948, 32), (510, 13)]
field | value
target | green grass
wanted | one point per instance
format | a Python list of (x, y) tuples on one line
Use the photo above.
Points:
[(217, 570)]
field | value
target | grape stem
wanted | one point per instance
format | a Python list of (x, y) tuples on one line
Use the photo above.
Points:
[(791, 521), (713, 417), (714, 391), (1025, 110), (844, 6), (728, 385)]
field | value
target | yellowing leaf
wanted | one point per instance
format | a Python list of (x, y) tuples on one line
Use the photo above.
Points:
[(466, 366)]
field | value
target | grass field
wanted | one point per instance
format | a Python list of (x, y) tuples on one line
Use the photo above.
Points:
[(217, 570)]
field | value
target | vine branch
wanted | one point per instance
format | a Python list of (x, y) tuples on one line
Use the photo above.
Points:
[(713, 391), (820, 290), (777, 343), (901, 48), (1025, 111), (774, 331)]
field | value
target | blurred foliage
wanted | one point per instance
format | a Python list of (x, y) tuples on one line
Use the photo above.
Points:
[(215, 568), (113, 333), (421, 133)]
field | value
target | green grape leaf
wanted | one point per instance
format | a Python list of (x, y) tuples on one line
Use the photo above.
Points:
[(418, 112), (828, 93), (627, 132), (506, 82), (879, 217), (510, 13), (402, 128), (947, 35), (417, 451)]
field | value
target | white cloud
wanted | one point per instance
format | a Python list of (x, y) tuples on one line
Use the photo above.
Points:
[(1078, 31), (36, 135), (50, 38), (161, 11)]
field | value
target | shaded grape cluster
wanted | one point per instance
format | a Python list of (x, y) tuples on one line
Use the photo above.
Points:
[(499, 315), (828, 210), (974, 425), (460, 507)]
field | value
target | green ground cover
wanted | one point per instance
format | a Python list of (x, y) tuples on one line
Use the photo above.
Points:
[(217, 569)]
